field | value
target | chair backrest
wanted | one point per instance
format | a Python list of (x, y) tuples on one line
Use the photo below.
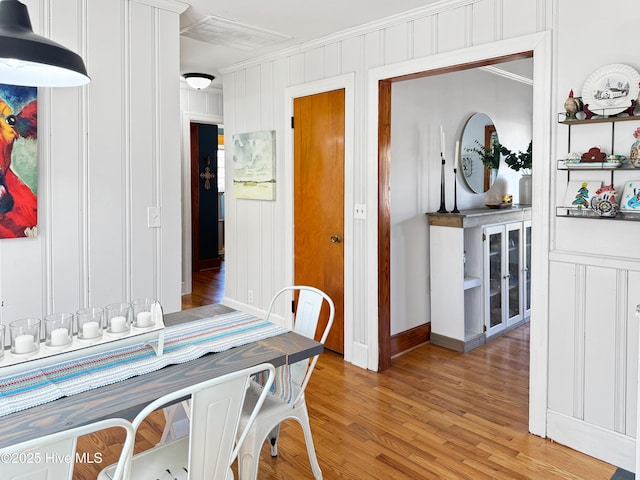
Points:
[(53, 456), (306, 317), (215, 410)]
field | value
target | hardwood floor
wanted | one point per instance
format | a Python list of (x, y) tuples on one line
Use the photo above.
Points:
[(207, 288), (435, 414)]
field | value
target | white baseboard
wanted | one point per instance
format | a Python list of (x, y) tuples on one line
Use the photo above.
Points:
[(606, 445), (243, 307), (252, 310), (359, 355)]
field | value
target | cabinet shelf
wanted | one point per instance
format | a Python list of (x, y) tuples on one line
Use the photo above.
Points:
[(472, 282)]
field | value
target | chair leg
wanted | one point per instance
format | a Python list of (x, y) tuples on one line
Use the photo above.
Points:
[(303, 418), (168, 433), (273, 440)]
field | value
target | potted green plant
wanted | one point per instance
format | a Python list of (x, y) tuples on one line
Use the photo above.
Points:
[(521, 161)]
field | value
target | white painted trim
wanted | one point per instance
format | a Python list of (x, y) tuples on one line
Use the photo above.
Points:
[(187, 119), (592, 440), (169, 5), (637, 442), (346, 82), (621, 263), (508, 75), (540, 44)]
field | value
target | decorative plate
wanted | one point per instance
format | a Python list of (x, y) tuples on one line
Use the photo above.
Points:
[(580, 192), (604, 201), (630, 200), (610, 89)]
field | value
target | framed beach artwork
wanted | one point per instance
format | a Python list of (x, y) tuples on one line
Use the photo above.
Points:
[(254, 157), (18, 161)]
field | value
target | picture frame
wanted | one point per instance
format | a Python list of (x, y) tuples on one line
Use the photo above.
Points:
[(254, 157)]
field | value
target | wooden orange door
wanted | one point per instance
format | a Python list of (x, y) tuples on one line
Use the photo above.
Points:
[(319, 201)]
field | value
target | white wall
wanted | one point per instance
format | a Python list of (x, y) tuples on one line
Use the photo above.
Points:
[(254, 100), (418, 108), (107, 152)]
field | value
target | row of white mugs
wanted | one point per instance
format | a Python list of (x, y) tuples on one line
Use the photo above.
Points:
[(88, 323)]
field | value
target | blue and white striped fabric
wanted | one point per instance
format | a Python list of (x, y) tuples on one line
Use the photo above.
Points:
[(183, 343)]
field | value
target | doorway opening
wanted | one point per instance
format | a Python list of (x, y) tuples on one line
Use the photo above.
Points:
[(206, 194), (384, 189)]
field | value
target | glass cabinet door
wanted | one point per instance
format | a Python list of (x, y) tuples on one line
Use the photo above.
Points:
[(513, 278), (494, 273)]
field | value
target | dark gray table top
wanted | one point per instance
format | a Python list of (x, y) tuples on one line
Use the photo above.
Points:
[(125, 399)]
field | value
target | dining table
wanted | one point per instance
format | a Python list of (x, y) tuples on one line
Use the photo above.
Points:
[(124, 399)]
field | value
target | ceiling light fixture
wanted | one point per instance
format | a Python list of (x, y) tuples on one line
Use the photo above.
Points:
[(30, 59), (198, 80)]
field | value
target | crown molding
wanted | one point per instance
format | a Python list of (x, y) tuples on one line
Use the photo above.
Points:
[(509, 75), (170, 5), (343, 35)]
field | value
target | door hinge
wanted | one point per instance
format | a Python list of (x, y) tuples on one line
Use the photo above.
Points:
[(293, 306), (291, 122), (484, 328), (484, 237)]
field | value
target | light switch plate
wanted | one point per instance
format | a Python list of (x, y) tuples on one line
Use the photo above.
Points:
[(360, 211), (153, 217)]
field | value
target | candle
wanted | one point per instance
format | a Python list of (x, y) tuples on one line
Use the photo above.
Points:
[(441, 140), (59, 337), (90, 330), (144, 319), (457, 153), (119, 325), (23, 343)]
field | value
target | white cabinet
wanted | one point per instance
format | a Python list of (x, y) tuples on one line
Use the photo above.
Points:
[(504, 277), (479, 275)]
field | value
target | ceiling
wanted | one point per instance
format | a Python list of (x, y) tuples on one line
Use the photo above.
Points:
[(221, 33)]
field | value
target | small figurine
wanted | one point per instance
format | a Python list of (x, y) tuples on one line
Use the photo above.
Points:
[(572, 106)]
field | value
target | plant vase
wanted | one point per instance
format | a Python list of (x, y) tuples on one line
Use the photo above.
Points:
[(525, 190)]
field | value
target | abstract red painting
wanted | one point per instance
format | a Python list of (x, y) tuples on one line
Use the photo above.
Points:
[(18, 161)]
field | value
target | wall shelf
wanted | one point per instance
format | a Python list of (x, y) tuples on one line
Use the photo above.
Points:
[(564, 211)]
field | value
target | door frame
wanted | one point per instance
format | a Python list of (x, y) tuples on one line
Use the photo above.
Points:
[(378, 299), (346, 82), (187, 119)]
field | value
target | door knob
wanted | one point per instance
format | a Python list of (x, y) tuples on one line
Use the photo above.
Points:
[(335, 238)]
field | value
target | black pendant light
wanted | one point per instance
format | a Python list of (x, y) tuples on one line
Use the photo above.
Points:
[(30, 59)]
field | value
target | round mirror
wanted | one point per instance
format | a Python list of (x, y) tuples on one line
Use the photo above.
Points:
[(479, 161)]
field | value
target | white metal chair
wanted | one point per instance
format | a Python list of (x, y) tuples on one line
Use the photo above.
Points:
[(276, 409), (213, 442), (53, 456)]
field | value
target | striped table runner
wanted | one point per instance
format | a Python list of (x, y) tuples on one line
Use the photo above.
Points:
[(183, 343)]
